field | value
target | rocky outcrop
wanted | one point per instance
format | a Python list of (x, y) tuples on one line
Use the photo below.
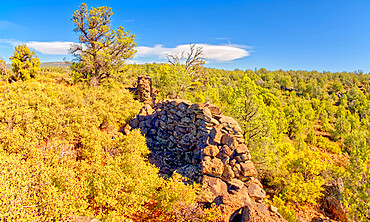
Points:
[(200, 143), (331, 202)]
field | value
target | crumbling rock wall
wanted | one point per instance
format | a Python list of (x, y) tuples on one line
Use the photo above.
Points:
[(199, 142), (146, 93)]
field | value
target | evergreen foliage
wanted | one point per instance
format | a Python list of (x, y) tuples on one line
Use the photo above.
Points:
[(179, 81), (102, 50), (279, 112), (61, 156), (298, 141), (25, 63)]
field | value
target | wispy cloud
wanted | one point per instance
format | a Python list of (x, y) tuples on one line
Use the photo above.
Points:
[(51, 48), (7, 25), (217, 53), (10, 42), (222, 38), (212, 53)]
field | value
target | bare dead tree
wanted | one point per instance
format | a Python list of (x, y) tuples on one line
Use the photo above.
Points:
[(174, 59), (194, 60)]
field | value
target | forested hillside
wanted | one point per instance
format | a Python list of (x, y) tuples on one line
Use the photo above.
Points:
[(305, 129), (65, 155)]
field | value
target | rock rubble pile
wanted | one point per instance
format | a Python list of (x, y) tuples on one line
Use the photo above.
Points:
[(195, 140), (200, 143)]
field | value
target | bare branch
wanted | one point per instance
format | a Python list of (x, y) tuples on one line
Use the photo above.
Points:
[(194, 59)]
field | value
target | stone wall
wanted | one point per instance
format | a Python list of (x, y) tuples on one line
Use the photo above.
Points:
[(202, 144), (146, 93)]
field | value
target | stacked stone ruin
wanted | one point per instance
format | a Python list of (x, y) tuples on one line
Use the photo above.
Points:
[(200, 143), (145, 92)]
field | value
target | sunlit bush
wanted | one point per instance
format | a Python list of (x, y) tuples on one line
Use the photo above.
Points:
[(61, 155), (327, 145), (25, 63), (300, 178)]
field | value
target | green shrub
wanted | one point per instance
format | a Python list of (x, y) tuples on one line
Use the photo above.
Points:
[(311, 138), (174, 81), (356, 177)]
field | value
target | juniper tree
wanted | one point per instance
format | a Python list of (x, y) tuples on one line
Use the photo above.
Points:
[(102, 50), (25, 63)]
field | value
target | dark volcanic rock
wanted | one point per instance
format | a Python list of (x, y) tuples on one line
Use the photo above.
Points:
[(198, 142)]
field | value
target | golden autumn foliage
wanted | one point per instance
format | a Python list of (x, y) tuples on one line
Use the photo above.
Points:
[(61, 155), (2, 68), (25, 63)]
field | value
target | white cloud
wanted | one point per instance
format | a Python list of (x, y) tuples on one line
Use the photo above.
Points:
[(212, 53), (218, 53), (51, 48)]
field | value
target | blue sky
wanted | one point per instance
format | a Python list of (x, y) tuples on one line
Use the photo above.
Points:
[(330, 35)]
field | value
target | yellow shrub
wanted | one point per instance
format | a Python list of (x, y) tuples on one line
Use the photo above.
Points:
[(25, 63), (61, 155), (299, 177), (174, 191), (327, 145), (285, 209), (42, 188)]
